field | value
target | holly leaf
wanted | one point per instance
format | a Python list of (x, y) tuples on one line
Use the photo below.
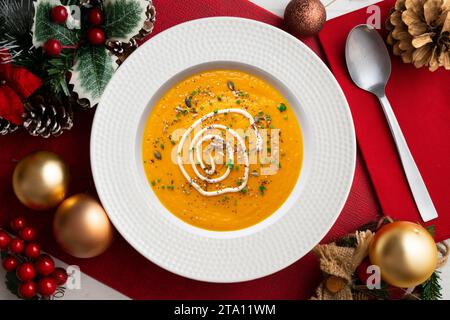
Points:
[(124, 18), (44, 29), (93, 69)]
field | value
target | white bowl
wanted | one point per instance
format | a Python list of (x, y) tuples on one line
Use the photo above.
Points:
[(326, 174)]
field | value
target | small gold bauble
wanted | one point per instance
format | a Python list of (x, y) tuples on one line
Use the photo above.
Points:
[(305, 17), (81, 227), (41, 180), (405, 252)]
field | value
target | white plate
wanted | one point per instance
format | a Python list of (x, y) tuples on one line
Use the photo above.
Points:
[(329, 150)]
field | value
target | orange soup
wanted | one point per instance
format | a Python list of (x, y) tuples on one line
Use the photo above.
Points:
[(222, 150)]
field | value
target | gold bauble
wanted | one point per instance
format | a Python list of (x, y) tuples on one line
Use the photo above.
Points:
[(305, 17), (41, 180), (81, 227), (405, 252)]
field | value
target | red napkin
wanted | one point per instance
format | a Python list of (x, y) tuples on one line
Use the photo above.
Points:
[(121, 267), (421, 102)]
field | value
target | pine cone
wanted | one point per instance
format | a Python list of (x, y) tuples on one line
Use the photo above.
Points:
[(420, 32), (47, 117), (6, 127)]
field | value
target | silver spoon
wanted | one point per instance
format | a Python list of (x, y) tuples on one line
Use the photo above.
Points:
[(369, 66)]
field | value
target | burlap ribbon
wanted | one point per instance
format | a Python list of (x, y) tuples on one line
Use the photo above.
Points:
[(338, 264)]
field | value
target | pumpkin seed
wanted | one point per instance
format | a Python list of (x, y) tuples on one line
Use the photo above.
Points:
[(157, 155), (188, 102), (230, 85)]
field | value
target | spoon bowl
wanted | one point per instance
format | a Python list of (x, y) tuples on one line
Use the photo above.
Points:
[(367, 58)]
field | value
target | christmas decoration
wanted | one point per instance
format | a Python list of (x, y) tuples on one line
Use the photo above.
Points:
[(46, 116), (27, 290), (25, 272), (52, 47), (96, 36), (46, 286), (16, 245), (6, 127), (59, 14), (60, 276), (40, 180), (31, 275), (419, 32), (44, 265), (17, 224), (405, 252), (16, 84), (95, 17), (74, 52), (345, 263), (305, 17), (32, 250), (81, 227), (27, 233)]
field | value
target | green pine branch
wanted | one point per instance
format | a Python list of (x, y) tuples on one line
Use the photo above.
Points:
[(431, 289)]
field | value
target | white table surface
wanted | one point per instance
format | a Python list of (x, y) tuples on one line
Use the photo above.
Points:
[(93, 289)]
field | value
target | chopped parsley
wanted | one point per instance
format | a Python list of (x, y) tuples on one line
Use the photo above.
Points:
[(282, 107), (262, 189)]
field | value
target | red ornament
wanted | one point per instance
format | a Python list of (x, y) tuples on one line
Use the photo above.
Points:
[(32, 250), (17, 224), (25, 272), (4, 239), (59, 14), (96, 36), (27, 233), (10, 264), (53, 47), (46, 286), (95, 16), (60, 276), (16, 245), (27, 290), (44, 265)]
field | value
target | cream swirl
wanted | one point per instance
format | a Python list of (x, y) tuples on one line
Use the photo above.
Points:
[(197, 142)]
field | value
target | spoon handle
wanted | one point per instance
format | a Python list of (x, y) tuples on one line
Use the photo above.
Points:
[(416, 184)]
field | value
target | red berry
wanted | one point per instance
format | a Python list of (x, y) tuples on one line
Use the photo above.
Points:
[(16, 245), (95, 17), (17, 224), (25, 272), (59, 14), (32, 250), (96, 36), (27, 290), (44, 265), (60, 276), (10, 264), (53, 47), (46, 286), (4, 239), (27, 233)]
